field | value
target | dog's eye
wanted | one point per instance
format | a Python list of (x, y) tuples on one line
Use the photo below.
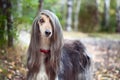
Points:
[(42, 20)]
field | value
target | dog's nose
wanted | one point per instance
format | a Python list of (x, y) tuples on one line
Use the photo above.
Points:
[(47, 32)]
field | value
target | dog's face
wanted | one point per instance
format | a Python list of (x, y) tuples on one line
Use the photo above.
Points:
[(45, 26)]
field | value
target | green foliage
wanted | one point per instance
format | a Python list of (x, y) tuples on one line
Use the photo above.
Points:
[(28, 11), (113, 22), (88, 16), (4, 26), (48, 4), (90, 21), (3, 32)]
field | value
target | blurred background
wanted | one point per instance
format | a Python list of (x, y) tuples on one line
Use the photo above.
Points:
[(96, 23)]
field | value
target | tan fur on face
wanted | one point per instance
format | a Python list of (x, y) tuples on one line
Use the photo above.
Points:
[(46, 25)]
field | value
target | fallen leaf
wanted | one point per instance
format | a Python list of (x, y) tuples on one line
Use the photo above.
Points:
[(1, 70), (13, 64), (9, 76)]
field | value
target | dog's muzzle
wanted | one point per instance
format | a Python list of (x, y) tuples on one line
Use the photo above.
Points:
[(47, 33)]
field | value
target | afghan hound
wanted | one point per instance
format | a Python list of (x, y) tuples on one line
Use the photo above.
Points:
[(50, 57)]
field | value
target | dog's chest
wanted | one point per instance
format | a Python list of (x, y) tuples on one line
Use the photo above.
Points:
[(42, 75)]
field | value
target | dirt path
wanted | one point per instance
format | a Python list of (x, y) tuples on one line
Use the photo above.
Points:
[(106, 57)]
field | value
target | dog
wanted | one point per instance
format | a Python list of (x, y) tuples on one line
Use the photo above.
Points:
[(51, 57)]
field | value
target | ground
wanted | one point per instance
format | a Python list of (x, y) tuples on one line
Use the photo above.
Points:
[(104, 49)]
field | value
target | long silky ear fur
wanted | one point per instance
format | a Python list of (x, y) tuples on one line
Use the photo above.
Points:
[(33, 61), (56, 44)]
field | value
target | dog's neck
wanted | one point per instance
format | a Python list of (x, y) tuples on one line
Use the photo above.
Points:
[(45, 43), (45, 71)]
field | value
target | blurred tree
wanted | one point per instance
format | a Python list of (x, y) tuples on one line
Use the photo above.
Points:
[(106, 14), (30, 9), (69, 15), (40, 7), (76, 11), (88, 16), (97, 10), (3, 6), (6, 24), (97, 3), (19, 7), (118, 16), (9, 23)]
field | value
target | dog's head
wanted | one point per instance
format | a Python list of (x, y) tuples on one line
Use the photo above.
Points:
[(46, 24)]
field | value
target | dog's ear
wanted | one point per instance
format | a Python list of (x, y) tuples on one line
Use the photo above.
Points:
[(56, 42), (33, 49)]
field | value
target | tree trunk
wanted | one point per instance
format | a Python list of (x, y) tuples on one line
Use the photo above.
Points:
[(40, 7), (9, 23), (97, 3), (106, 13), (19, 8), (97, 11), (69, 15), (118, 16), (3, 4), (76, 15)]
